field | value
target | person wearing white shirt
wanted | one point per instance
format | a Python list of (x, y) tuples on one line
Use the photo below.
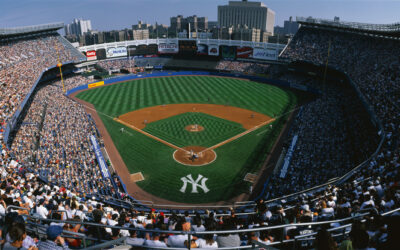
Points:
[(155, 242), (3, 208), (41, 210), (367, 202), (28, 200), (207, 242), (179, 240), (133, 239)]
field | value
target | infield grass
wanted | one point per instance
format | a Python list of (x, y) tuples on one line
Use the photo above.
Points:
[(154, 159)]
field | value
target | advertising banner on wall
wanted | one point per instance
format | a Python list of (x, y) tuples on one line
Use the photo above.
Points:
[(213, 50), (228, 52), (244, 52), (265, 54), (91, 55), (187, 47), (100, 158), (116, 52), (202, 49), (168, 48), (95, 84), (101, 54)]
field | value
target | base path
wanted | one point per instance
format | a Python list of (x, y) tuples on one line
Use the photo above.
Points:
[(247, 118)]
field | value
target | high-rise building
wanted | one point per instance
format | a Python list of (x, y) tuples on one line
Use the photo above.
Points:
[(290, 26), (141, 34), (246, 34), (179, 23), (78, 27), (176, 23), (141, 26), (244, 13)]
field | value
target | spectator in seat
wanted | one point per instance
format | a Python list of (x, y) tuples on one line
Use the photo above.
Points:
[(17, 235), (133, 239), (228, 240), (54, 240), (324, 241)]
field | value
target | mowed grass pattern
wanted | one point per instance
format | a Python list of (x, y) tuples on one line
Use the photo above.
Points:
[(118, 99), (154, 159), (173, 129)]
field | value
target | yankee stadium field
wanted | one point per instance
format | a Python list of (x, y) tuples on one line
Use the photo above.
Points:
[(191, 139)]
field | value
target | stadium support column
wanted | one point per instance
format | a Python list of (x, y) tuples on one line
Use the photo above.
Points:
[(129, 58)]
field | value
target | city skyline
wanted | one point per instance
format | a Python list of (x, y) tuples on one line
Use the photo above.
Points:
[(120, 14)]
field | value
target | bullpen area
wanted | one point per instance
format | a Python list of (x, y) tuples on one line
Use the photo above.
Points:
[(190, 139)]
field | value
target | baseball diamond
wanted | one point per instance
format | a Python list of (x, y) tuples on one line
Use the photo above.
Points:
[(154, 113)]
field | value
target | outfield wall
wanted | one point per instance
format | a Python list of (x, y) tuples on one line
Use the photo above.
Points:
[(108, 81)]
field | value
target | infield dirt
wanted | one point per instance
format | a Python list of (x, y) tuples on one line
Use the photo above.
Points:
[(247, 118)]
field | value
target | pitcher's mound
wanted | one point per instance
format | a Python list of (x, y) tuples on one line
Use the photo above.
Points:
[(194, 128), (194, 156)]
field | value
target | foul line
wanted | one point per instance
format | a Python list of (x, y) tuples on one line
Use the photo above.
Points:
[(239, 135), (210, 148), (150, 135), (136, 129), (262, 132), (250, 130)]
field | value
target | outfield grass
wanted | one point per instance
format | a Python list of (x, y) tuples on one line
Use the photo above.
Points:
[(154, 159)]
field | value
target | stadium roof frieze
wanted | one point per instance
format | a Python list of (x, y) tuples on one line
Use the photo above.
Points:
[(176, 40), (31, 29), (391, 30)]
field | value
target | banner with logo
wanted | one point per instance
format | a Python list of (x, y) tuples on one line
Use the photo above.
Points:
[(170, 48), (95, 84), (91, 55), (116, 52), (228, 52), (244, 52), (265, 54), (202, 49), (213, 50), (100, 158)]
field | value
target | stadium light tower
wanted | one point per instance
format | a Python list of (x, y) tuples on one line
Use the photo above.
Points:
[(59, 65)]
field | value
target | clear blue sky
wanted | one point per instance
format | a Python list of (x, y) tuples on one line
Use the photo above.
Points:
[(119, 14)]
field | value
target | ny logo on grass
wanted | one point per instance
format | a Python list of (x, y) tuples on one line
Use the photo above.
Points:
[(195, 183)]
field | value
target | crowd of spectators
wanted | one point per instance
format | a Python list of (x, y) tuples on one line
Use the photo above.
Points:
[(334, 135), (53, 140), (53, 143), (21, 63), (242, 67), (117, 64)]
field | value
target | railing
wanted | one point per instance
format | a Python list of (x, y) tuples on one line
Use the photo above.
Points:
[(342, 230)]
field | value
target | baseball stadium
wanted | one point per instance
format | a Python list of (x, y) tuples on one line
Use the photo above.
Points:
[(185, 142)]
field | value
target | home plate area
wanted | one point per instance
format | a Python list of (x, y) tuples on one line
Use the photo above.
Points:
[(194, 156)]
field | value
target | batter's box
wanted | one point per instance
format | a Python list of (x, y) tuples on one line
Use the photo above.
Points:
[(137, 177), (250, 177)]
